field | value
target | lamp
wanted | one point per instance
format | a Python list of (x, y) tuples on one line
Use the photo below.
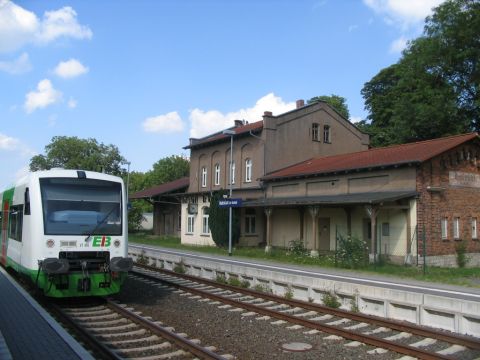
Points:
[(231, 133)]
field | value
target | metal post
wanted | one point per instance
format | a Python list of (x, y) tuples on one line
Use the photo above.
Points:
[(230, 208)]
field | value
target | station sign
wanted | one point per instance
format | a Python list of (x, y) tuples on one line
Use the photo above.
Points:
[(230, 203)]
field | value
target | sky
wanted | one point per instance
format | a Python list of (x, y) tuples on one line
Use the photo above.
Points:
[(147, 75)]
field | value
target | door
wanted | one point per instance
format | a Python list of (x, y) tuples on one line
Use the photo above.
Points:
[(168, 224), (324, 234)]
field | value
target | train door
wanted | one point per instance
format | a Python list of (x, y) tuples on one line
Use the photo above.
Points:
[(4, 227)]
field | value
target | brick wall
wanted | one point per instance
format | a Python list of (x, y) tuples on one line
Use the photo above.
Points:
[(438, 199)]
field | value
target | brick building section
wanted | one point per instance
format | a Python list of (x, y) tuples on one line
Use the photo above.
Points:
[(439, 199)]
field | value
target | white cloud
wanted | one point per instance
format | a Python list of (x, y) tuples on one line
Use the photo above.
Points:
[(168, 123), (403, 13), (44, 96), (355, 119), (70, 69), (398, 45), (8, 143), (207, 122), (19, 26), (62, 22), (72, 103), (17, 66)]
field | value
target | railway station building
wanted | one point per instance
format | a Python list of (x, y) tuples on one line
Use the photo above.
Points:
[(309, 175)]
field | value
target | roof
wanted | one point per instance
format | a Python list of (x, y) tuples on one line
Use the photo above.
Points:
[(162, 189), (220, 137), (340, 199), (396, 155)]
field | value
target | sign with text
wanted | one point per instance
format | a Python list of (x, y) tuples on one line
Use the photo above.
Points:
[(458, 178), (230, 203)]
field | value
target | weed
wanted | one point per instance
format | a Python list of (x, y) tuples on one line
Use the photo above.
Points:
[(354, 306), (262, 288), (461, 251), (330, 300), (288, 293), (180, 268), (221, 279), (142, 259)]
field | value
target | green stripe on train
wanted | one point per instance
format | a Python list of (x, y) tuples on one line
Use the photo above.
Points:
[(7, 199)]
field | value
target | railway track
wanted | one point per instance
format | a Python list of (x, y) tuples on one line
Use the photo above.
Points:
[(115, 331), (383, 334)]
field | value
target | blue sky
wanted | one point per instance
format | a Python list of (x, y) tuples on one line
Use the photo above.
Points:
[(147, 75)]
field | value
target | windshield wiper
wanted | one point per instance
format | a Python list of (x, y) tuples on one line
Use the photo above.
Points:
[(100, 223)]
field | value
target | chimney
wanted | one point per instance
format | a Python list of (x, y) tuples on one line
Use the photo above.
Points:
[(238, 123), (267, 113), (300, 103)]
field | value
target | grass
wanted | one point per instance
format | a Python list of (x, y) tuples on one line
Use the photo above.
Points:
[(454, 276)]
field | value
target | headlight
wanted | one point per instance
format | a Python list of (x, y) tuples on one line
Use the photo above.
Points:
[(50, 243)]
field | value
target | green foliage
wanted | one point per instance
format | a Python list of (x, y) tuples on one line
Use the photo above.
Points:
[(179, 268), (297, 248), (221, 279), (218, 221), (339, 103), (432, 91), (461, 253), (166, 170), (288, 293), (142, 259), (83, 154), (351, 252), (263, 288), (330, 300), (135, 216)]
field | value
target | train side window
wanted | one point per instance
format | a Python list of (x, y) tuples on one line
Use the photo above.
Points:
[(16, 222), (27, 202)]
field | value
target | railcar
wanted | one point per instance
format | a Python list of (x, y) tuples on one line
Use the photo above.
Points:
[(67, 231)]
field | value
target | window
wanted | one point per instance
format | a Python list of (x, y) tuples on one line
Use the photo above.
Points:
[(16, 222), (385, 229), (315, 132), (444, 228), (248, 170), (474, 228), (326, 134), (204, 176), (179, 220), (456, 228), (232, 172), (217, 174), (73, 206), (205, 227), (250, 221), (190, 223)]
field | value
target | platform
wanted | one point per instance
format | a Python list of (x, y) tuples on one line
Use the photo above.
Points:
[(27, 331)]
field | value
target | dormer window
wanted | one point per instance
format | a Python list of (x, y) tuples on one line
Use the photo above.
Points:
[(315, 132), (326, 134)]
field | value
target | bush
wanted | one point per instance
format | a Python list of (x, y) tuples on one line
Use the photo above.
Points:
[(297, 248), (330, 300), (351, 252), (288, 293), (461, 251), (180, 268), (218, 221)]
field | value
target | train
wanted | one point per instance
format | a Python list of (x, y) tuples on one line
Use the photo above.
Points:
[(67, 232)]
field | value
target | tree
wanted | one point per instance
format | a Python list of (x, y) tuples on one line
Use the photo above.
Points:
[(432, 91), (218, 221), (337, 102), (167, 169), (83, 154)]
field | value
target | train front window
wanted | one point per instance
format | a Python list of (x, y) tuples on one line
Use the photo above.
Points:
[(74, 206)]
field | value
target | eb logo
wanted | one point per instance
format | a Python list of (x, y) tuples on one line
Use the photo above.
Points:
[(101, 241)]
